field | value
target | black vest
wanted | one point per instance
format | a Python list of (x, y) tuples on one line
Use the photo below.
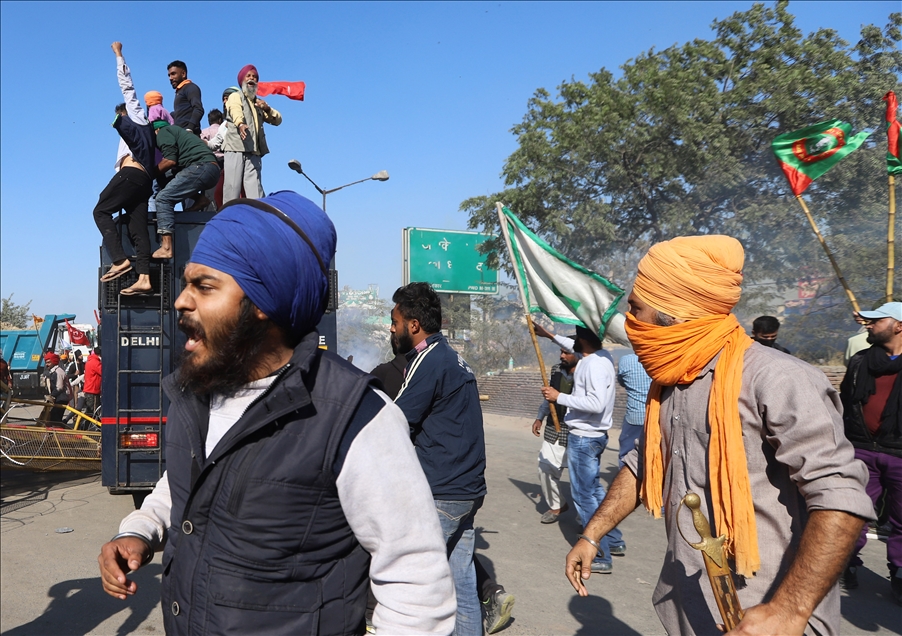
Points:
[(258, 542)]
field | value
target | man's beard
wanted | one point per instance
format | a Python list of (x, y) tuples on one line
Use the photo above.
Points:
[(250, 90), (234, 351), (879, 338), (401, 342)]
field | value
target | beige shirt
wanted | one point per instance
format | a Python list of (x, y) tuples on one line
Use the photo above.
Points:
[(798, 460)]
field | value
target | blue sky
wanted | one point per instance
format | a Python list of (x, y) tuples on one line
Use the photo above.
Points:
[(427, 91)]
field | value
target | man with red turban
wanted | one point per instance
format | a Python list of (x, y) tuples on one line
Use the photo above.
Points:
[(758, 436), (245, 140)]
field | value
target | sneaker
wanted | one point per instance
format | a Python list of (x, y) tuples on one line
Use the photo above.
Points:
[(497, 610), (849, 580), (617, 550), (602, 567)]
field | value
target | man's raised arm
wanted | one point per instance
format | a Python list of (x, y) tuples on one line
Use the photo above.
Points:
[(124, 75)]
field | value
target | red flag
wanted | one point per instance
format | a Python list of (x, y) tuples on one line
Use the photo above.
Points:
[(893, 161), (77, 336), (291, 90)]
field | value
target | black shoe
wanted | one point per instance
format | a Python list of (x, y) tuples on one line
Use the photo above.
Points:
[(497, 610), (849, 579), (896, 586)]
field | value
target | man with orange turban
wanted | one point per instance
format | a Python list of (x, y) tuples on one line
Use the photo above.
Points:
[(758, 436)]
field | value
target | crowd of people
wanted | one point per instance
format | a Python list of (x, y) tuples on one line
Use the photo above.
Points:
[(72, 380), (298, 487), (165, 159)]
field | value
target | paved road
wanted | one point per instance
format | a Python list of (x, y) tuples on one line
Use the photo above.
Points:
[(49, 582)]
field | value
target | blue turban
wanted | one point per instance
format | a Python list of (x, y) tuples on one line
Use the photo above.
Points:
[(274, 266)]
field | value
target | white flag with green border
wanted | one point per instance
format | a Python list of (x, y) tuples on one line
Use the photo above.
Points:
[(563, 290)]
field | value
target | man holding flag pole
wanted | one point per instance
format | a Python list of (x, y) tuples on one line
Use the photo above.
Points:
[(569, 293)]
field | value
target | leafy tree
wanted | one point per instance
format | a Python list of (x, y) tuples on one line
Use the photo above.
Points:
[(679, 143), (14, 315)]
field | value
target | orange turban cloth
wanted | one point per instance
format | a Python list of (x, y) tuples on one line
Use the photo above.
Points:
[(692, 276), (153, 98), (697, 278)]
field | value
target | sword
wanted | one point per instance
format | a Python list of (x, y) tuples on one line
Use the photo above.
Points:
[(715, 562)]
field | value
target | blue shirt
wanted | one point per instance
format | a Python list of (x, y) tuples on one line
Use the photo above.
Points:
[(631, 376)]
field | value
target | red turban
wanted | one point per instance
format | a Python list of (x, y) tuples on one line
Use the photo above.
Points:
[(247, 68), (51, 358)]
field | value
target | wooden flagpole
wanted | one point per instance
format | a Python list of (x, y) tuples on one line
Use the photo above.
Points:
[(891, 240), (836, 269), (532, 331)]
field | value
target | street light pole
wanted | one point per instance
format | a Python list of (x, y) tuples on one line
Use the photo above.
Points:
[(328, 327), (295, 165)]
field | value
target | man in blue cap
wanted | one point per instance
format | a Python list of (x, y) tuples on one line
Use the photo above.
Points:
[(871, 394), (289, 478)]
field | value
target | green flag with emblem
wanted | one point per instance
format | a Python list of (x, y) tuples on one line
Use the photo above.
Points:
[(805, 155), (561, 289)]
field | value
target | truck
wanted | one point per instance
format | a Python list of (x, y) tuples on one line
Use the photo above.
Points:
[(140, 345), (24, 351)]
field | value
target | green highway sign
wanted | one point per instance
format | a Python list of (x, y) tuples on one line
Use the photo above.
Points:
[(448, 260)]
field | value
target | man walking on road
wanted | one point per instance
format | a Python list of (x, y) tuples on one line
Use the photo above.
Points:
[(756, 434), (553, 454), (288, 478), (440, 400), (590, 408), (872, 411)]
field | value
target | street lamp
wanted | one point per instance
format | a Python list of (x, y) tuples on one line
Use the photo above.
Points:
[(295, 165)]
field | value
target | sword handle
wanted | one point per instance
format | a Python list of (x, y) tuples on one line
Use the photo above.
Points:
[(715, 562)]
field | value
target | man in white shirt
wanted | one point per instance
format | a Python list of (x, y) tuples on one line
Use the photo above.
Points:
[(590, 408)]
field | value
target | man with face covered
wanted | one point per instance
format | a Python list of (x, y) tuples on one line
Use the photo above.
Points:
[(756, 434), (764, 331), (289, 477), (440, 401), (244, 143)]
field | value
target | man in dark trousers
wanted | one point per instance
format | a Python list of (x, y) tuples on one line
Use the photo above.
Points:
[(440, 400), (871, 394), (291, 486), (187, 107), (130, 187)]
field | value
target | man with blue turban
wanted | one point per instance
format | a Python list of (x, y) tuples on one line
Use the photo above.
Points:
[(291, 484)]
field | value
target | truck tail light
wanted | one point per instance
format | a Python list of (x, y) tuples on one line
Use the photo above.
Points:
[(139, 440)]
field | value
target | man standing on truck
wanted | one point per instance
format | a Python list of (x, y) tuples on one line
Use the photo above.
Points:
[(289, 476)]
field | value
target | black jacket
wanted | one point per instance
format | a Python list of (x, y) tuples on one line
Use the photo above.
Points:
[(441, 403), (853, 419), (188, 108), (258, 542)]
